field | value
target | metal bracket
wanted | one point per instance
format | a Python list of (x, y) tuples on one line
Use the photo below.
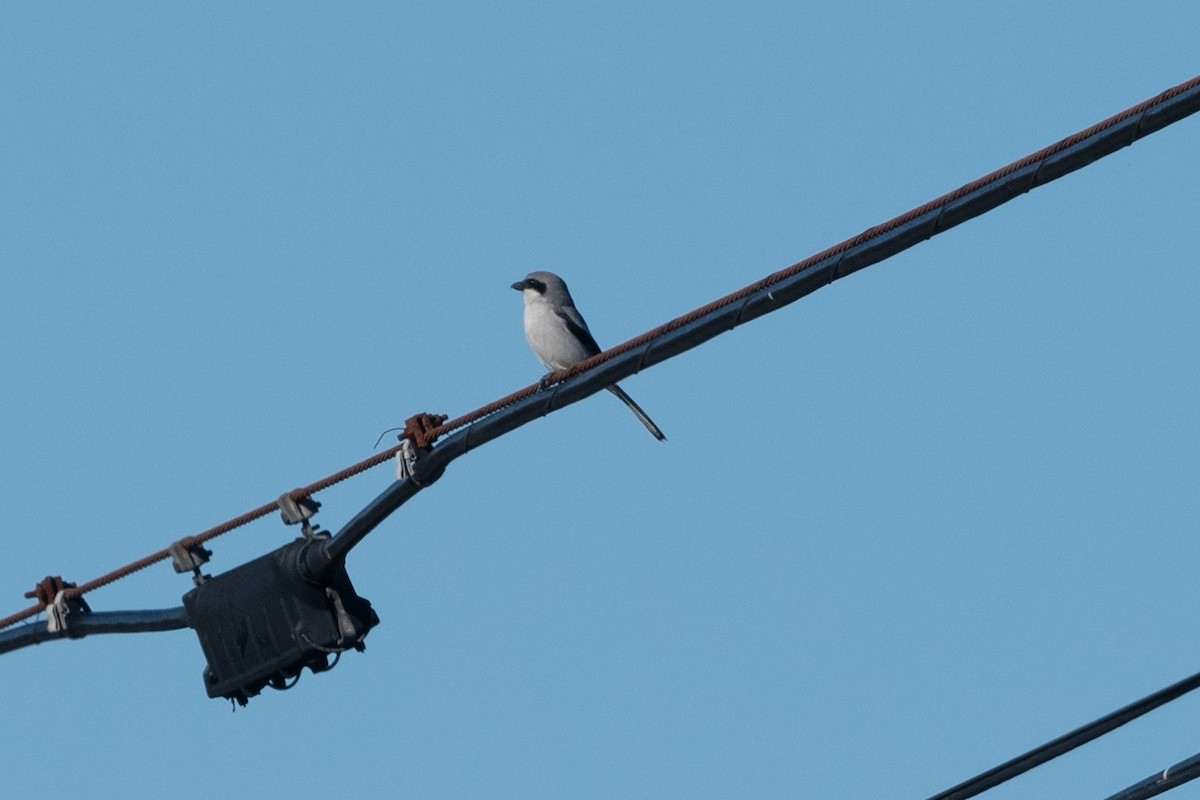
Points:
[(58, 611), (348, 634), (189, 558), (296, 511), (416, 441), (299, 512), (406, 460)]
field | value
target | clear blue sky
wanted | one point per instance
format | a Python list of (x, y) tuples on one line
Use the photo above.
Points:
[(929, 517)]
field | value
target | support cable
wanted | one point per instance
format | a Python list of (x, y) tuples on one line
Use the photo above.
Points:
[(769, 294)]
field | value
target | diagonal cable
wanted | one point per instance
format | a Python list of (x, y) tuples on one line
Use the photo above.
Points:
[(788, 285), (1156, 784), (1068, 742)]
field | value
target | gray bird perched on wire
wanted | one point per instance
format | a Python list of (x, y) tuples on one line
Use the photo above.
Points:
[(558, 335)]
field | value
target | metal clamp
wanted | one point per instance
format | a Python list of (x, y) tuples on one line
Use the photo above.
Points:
[(299, 511), (62, 607), (188, 556), (296, 511), (406, 460), (56, 613), (417, 440)]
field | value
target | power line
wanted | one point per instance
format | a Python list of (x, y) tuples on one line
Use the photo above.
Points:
[(1068, 742), (88, 624), (767, 295), (1160, 782)]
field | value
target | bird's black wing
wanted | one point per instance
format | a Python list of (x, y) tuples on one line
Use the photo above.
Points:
[(578, 329)]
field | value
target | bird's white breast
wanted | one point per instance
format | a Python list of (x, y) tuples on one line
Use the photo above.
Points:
[(552, 342)]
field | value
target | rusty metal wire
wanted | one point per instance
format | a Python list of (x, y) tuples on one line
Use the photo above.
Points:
[(423, 430)]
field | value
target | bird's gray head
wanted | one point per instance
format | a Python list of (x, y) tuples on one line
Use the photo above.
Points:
[(543, 286)]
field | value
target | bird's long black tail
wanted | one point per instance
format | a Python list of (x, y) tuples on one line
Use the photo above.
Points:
[(637, 410)]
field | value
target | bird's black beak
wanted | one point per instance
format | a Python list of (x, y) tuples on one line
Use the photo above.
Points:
[(519, 286)]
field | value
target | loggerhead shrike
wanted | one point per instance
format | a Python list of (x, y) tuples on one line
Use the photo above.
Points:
[(559, 336)]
